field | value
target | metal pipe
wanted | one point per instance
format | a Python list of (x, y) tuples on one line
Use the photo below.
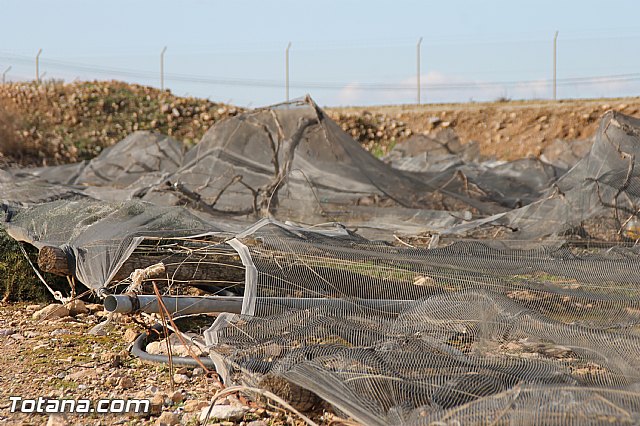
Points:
[(38, 66), (162, 68), (418, 65), (286, 74), (186, 305), (555, 44), (4, 74)]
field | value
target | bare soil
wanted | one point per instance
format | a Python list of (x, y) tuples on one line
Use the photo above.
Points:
[(58, 359), (504, 130)]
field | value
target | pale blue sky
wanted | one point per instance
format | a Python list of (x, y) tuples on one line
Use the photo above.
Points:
[(343, 52)]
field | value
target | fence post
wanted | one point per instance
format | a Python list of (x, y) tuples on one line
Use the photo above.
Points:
[(162, 68), (418, 66), (38, 66), (4, 74), (286, 72), (555, 44)]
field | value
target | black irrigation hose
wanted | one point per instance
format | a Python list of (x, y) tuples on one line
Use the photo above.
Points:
[(139, 349)]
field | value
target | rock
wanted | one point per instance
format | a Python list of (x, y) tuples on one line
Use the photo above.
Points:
[(130, 335), (31, 308), (156, 348), (156, 404), (76, 307), (60, 331), (222, 401), (177, 348), (80, 374), (180, 379), (257, 423), (52, 311), (113, 359), (234, 401), (6, 331), (168, 418), (126, 382), (177, 397), (198, 371), (194, 405), (224, 412)]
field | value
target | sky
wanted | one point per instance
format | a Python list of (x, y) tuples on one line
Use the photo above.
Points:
[(342, 52)]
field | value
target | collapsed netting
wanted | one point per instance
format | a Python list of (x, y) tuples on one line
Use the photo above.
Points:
[(467, 333)]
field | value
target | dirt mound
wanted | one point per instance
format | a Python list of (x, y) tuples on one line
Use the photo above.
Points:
[(504, 130), (56, 123)]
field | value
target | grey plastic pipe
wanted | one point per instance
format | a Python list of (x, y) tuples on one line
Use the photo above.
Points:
[(183, 305), (186, 305), (139, 349)]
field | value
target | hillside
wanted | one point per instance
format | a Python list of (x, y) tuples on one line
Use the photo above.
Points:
[(59, 123), (504, 130)]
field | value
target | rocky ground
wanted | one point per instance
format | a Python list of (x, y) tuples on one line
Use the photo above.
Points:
[(55, 123), (48, 352), (503, 130)]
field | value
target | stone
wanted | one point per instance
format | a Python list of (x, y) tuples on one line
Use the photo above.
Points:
[(198, 371), (60, 331), (177, 397), (6, 331), (257, 423), (168, 418), (76, 307), (52, 311), (224, 412), (156, 404), (180, 379), (113, 359), (126, 383), (177, 348), (130, 335), (195, 405), (111, 381), (222, 401), (32, 308), (80, 374)]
